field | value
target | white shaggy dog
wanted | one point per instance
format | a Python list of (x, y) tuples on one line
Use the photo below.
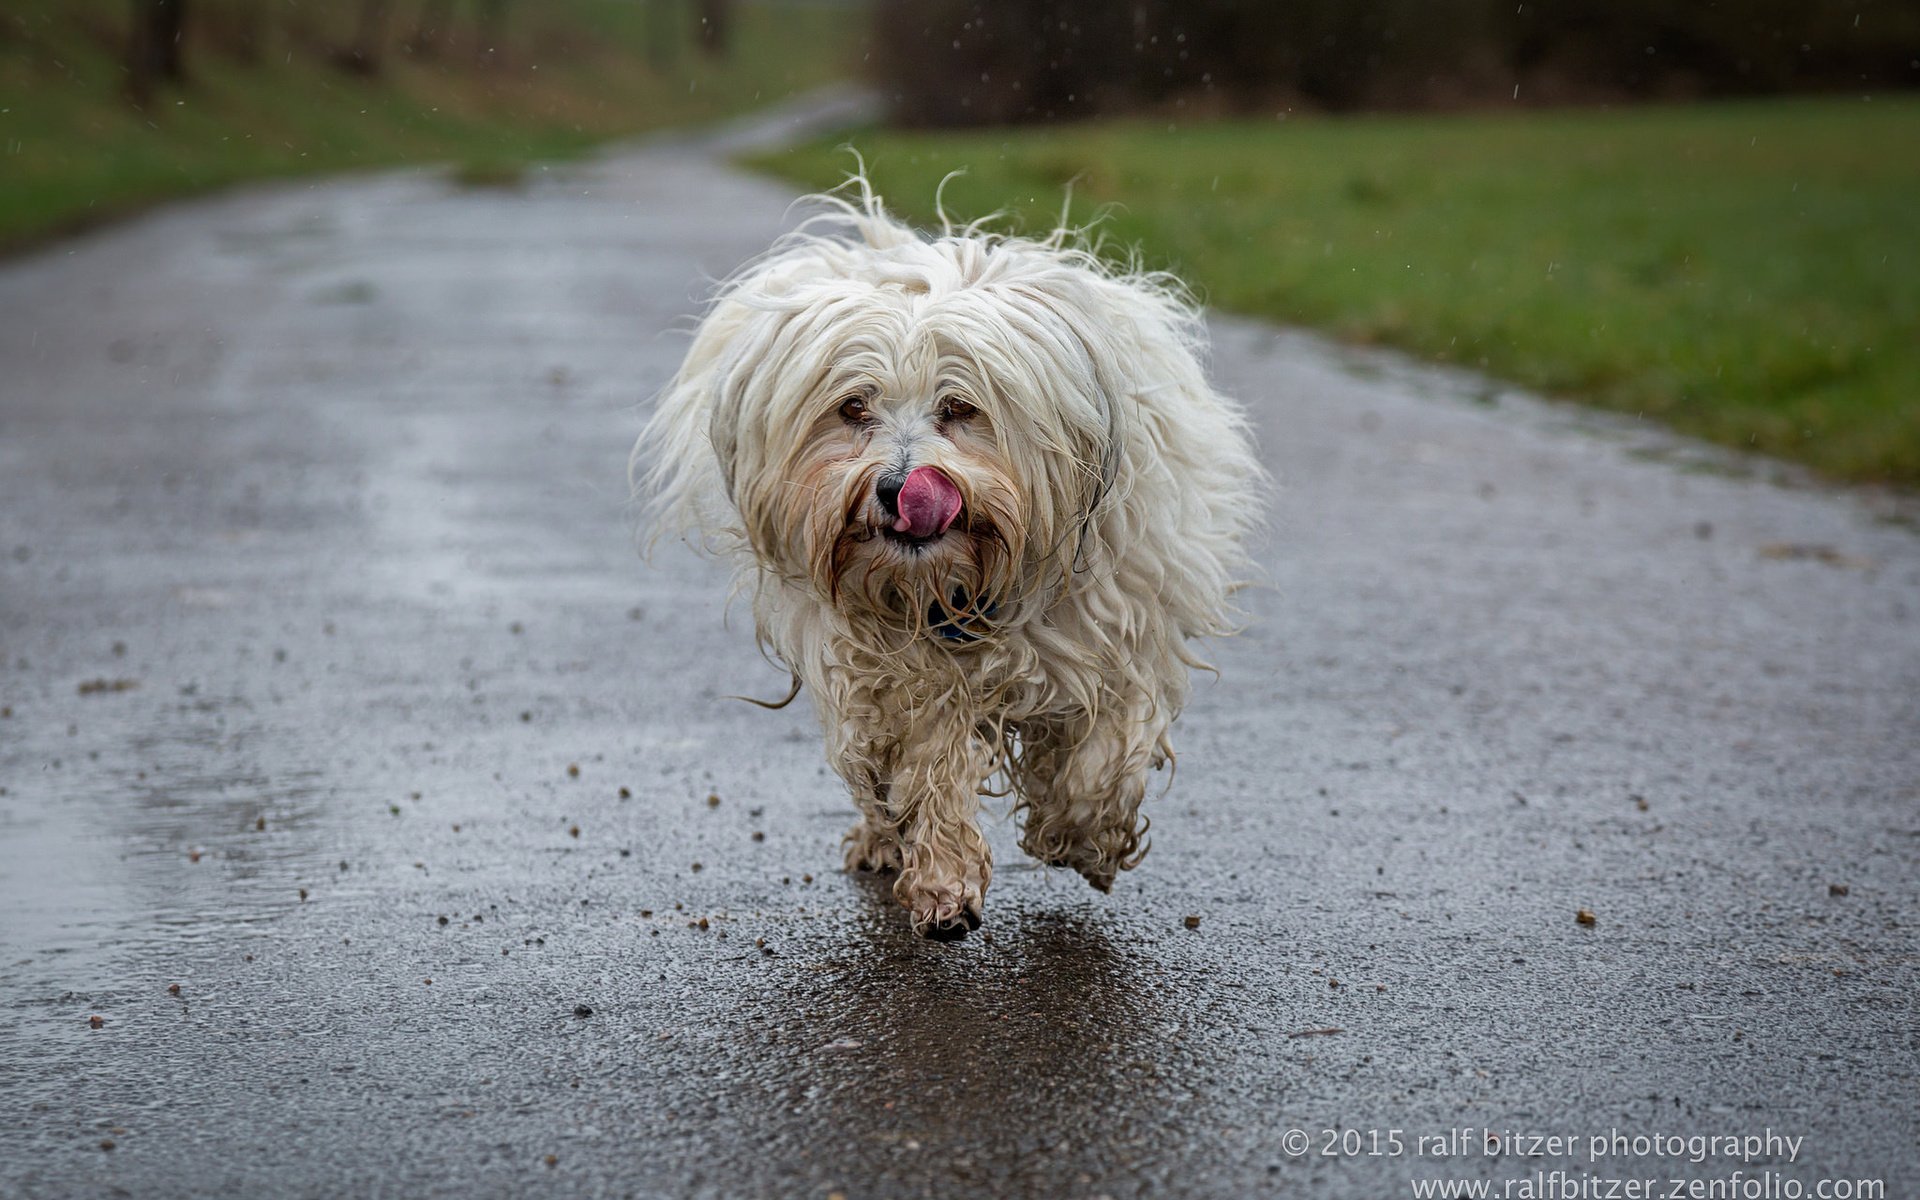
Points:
[(982, 496)]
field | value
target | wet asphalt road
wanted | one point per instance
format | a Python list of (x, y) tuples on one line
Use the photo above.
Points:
[(317, 585)]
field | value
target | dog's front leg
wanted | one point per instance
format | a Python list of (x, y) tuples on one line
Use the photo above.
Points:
[(933, 798), (863, 754), (873, 844), (915, 769)]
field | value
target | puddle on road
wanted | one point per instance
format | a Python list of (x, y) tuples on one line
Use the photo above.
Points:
[(1061, 1045), (95, 859)]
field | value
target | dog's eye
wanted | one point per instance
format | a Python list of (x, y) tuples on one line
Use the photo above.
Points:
[(853, 410), (955, 409)]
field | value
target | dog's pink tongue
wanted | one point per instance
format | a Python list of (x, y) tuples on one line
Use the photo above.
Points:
[(928, 503)]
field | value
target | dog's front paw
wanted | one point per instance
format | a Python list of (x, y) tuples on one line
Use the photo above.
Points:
[(949, 928), (872, 846), (945, 914), (943, 898)]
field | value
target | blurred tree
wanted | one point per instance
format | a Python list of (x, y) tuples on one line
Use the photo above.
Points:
[(431, 29), (714, 26), (250, 31), (961, 62), (235, 29), (362, 56), (154, 50), (490, 25)]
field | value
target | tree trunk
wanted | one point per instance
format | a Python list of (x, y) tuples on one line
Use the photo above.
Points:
[(715, 26), (363, 56), (490, 25), (246, 37), (431, 30), (154, 53)]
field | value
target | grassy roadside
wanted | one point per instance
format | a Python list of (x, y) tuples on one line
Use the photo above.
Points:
[(1748, 273), (265, 99)]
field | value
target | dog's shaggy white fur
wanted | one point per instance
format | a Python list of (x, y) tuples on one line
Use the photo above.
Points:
[(1022, 611)]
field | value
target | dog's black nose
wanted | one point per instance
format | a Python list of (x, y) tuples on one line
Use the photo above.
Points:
[(888, 490)]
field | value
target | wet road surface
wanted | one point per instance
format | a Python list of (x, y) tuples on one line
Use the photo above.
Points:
[(333, 692)]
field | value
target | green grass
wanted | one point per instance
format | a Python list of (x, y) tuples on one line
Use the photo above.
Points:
[(1748, 273), (571, 74)]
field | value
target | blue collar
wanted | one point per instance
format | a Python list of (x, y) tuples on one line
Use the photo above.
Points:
[(954, 626)]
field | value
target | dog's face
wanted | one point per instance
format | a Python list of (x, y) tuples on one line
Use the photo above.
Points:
[(906, 505), (919, 453)]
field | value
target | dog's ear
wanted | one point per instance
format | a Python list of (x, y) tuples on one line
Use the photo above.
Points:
[(682, 466), (1165, 468), (1114, 341)]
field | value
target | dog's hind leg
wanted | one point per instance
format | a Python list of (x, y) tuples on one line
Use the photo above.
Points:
[(1081, 781), (873, 844)]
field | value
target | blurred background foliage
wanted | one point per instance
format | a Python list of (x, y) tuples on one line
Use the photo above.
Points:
[(972, 62), (109, 105)]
